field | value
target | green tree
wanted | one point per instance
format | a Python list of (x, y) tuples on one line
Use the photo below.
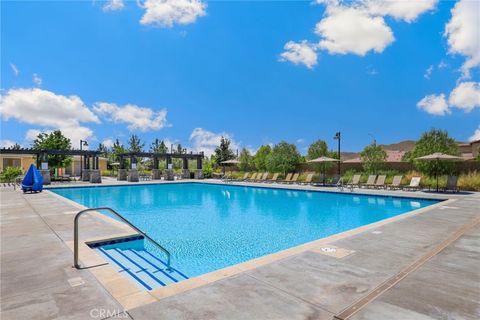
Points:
[(179, 148), (318, 149), (158, 146), (54, 141), (103, 148), (260, 158), (435, 140), (373, 157), (106, 152), (135, 144), (246, 160), (223, 151), (117, 149), (16, 146), (283, 158), (207, 168)]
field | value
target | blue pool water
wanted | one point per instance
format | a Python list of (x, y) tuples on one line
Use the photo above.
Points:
[(208, 227)]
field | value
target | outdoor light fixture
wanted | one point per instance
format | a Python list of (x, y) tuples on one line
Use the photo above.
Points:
[(83, 143), (338, 136)]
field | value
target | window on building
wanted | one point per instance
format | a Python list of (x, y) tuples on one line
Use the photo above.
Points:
[(11, 162)]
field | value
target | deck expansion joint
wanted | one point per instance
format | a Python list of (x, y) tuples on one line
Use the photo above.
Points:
[(395, 279)]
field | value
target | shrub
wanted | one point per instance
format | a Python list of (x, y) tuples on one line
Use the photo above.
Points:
[(8, 174), (207, 168)]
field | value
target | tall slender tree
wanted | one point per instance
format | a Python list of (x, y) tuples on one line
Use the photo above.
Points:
[(158, 146), (135, 144), (223, 151)]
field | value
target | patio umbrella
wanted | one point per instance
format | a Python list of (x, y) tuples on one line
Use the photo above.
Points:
[(230, 162), (438, 156), (227, 162), (323, 160)]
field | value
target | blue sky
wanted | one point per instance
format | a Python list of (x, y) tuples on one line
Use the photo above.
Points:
[(203, 69)]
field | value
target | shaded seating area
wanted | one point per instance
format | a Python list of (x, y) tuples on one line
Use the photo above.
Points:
[(90, 168), (133, 175)]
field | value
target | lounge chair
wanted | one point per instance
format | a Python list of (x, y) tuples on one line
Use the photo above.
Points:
[(294, 178), (245, 176), (336, 180), (397, 180), (451, 184), (370, 181), (321, 179), (252, 177), (414, 184), (274, 178), (380, 183), (308, 178), (287, 178), (263, 177), (354, 182)]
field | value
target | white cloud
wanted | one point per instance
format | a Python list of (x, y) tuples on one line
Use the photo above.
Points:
[(300, 141), (475, 136), (137, 118), (352, 30), (37, 80), (434, 104), (371, 71), (47, 109), (14, 69), (113, 5), (400, 10), (6, 143), (32, 134), (356, 27), (166, 13), (207, 141), (463, 33), (108, 143), (428, 72), (300, 53), (44, 108), (442, 65), (466, 96)]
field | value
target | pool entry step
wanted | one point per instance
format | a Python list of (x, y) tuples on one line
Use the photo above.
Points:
[(130, 258)]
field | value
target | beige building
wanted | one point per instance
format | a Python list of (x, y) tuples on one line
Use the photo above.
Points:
[(469, 150), (25, 160)]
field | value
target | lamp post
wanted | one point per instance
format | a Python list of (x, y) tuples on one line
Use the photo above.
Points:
[(83, 143), (338, 136)]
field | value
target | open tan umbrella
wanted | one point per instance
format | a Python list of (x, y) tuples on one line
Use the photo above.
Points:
[(230, 162), (438, 156), (323, 159), (227, 162)]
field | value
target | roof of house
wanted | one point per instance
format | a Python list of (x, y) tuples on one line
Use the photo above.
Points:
[(392, 156)]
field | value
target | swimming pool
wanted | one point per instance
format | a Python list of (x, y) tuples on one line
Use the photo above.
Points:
[(211, 226)]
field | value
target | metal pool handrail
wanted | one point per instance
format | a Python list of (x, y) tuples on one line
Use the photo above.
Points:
[(75, 234)]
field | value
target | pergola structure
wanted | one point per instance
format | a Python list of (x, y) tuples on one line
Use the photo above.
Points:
[(90, 171), (132, 175)]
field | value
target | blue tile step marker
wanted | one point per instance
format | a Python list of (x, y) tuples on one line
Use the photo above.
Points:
[(143, 268)]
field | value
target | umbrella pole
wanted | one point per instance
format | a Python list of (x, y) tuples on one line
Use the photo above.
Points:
[(436, 171)]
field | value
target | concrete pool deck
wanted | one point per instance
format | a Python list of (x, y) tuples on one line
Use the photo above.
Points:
[(38, 281)]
